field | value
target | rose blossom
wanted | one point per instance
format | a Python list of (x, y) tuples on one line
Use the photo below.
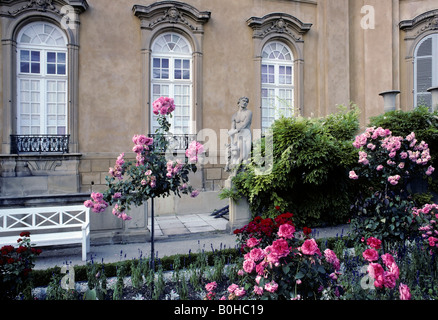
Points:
[(211, 286), (331, 257), (405, 293), (374, 243), (353, 175), (248, 266), (271, 286), (258, 290), (252, 242), (256, 254), (370, 255), (376, 271), (389, 280), (310, 247), (239, 292), (286, 231), (388, 259)]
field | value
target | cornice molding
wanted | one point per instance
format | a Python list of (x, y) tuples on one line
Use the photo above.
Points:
[(13, 8), (278, 23), (427, 21), (172, 12)]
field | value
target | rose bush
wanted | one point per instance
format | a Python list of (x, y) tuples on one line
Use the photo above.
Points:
[(152, 174), (383, 271), (428, 217), (278, 264), (386, 166), (15, 268)]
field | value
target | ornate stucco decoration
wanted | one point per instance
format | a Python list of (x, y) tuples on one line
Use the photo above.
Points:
[(280, 23), (172, 12), (425, 22), (15, 8)]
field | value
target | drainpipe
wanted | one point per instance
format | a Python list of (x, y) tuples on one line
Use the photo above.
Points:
[(434, 92), (389, 99)]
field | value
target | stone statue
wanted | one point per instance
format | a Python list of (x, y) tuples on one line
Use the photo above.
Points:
[(239, 148)]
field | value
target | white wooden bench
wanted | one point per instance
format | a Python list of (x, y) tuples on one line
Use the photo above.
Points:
[(51, 226)]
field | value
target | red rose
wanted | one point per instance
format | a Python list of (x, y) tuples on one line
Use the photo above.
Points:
[(307, 231), (25, 234)]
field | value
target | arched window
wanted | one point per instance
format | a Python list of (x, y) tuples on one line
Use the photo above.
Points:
[(42, 80), (171, 69), (425, 69), (277, 81)]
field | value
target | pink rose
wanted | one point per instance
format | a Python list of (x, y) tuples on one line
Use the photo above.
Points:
[(374, 243), (248, 266), (389, 280), (286, 231), (310, 247), (376, 271), (271, 286), (256, 254), (331, 258), (370, 255), (258, 290), (232, 288), (405, 293), (252, 242), (239, 292), (388, 259), (353, 175), (211, 286)]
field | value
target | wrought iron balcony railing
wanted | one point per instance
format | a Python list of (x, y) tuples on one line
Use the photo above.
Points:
[(178, 142), (39, 143)]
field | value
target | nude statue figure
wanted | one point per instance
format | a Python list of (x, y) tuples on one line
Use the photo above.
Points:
[(239, 148)]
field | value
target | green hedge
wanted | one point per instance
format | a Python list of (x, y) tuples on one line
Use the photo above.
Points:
[(309, 177)]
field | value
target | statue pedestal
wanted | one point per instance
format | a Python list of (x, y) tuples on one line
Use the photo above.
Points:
[(239, 212)]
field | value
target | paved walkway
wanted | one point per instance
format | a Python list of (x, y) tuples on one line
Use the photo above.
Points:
[(173, 234)]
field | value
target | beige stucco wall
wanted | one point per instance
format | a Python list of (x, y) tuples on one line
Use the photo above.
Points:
[(343, 63)]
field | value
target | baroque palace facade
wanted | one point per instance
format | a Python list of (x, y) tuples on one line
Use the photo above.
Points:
[(78, 78)]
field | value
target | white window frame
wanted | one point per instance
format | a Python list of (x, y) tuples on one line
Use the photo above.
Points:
[(434, 71), (277, 100), (43, 77), (172, 83)]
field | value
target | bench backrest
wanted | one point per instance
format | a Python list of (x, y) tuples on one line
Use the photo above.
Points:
[(43, 218)]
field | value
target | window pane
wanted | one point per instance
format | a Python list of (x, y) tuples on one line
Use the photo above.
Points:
[(425, 48), (61, 69), (61, 57), (424, 74), (51, 57), (35, 56), (35, 68), (156, 63), (24, 55), (51, 68), (24, 67)]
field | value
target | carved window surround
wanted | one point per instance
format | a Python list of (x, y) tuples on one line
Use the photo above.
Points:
[(165, 16), (14, 15), (289, 30), (413, 31)]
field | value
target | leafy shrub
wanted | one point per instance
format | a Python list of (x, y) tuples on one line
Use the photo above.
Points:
[(15, 268), (425, 125), (428, 216), (419, 120), (309, 177), (386, 165)]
